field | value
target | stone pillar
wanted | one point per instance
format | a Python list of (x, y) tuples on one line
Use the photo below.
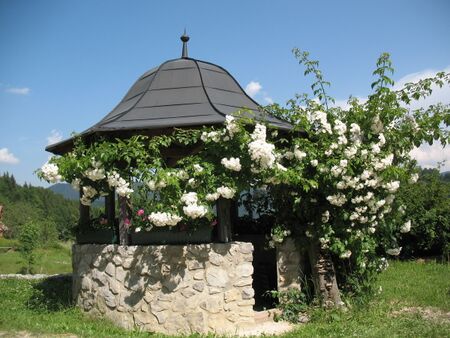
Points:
[(289, 265)]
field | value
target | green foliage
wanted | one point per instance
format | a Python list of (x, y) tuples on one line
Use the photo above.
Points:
[(27, 203), (427, 204), (293, 303), (28, 243)]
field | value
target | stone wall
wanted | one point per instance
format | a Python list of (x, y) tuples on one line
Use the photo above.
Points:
[(167, 288), (289, 265)]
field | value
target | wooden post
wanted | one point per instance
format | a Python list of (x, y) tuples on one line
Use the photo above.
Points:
[(224, 234), (85, 214), (110, 208), (124, 221)]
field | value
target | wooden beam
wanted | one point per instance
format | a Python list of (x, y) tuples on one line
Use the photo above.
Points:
[(224, 233), (110, 207), (124, 221), (85, 214)]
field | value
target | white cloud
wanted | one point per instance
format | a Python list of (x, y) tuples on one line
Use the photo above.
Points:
[(253, 88), (344, 103), (439, 94), (268, 99), (7, 157), (428, 156), (54, 137), (18, 90)]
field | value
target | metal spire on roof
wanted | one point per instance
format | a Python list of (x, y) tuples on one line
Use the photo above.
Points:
[(185, 39)]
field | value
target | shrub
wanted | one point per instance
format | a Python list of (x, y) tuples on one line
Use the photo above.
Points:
[(29, 238)]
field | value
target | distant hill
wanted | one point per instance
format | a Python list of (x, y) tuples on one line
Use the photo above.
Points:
[(445, 176), (65, 190)]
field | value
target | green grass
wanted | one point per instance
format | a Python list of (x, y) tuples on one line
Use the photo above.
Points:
[(45, 308), (404, 284), (50, 260)]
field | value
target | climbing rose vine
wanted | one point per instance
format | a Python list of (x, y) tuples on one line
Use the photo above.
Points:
[(330, 182)]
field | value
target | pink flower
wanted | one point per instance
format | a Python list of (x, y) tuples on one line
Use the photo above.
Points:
[(140, 212), (127, 221)]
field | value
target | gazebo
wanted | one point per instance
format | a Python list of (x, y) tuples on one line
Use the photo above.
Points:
[(173, 288), (179, 93)]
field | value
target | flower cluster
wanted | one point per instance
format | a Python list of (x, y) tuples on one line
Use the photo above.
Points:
[(122, 186), (191, 208), (231, 125), (88, 194), (50, 172), (96, 173), (226, 192), (161, 219), (320, 120), (261, 151), (233, 163)]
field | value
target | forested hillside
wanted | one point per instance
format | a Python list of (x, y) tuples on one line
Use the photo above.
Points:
[(27, 203)]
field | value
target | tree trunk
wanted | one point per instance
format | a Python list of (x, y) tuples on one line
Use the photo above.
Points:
[(324, 276)]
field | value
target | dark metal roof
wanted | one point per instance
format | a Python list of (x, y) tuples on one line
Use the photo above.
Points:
[(183, 92)]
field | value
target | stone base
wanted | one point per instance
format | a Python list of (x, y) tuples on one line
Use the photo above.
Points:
[(167, 288)]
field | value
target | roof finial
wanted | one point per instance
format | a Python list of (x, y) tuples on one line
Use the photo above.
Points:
[(185, 39)]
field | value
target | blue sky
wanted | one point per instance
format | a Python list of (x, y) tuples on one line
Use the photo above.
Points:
[(66, 64)]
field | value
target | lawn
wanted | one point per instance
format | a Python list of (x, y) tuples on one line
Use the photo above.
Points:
[(51, 260), (408, 287)]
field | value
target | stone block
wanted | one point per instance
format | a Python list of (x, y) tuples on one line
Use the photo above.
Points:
[(199, 286), (248, 293), (148, 296), (243, 282), (142, 318), (109, 298), (246, 248), (197, 322), (115, 286), (117, 260), (161, 316), (128, 262), (110, 269), (199, 275), (247, 302), (216, 259), (120, 274), (214, 290), (244, 270), (232, 295), (217, 277), (86, 283), (212, 304), (194, 265), (158, 306), (187, 293)]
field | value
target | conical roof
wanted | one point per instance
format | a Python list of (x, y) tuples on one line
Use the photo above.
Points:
[(182, 92)]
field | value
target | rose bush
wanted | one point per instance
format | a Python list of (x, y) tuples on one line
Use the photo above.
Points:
[(331, 181)]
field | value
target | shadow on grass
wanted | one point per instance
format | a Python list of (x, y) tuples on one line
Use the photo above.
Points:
[(52, 294)]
